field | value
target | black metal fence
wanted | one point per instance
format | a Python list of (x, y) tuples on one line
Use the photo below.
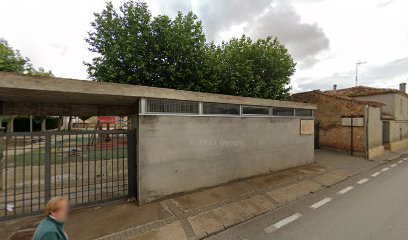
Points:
[(85, 166)]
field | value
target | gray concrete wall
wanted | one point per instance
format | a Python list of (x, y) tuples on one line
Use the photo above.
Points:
[(375, 137), (398, 131), (179, 154), (388, 99), (401, 107), (396, 105), (399, 127)]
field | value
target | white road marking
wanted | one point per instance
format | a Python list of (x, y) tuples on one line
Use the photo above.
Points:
[(363, 181), (394, 165), (347, 189), (400, 161), (282, 223), (385, 169), (320, 203), (375, 174)]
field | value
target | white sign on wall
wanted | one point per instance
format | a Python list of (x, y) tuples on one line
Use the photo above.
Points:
[(357, 121), (306, 127)]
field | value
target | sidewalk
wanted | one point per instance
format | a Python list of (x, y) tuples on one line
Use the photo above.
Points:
[(199, 214)]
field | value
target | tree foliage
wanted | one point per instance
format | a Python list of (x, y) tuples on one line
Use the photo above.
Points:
[(259, 68), (133, 47), (12, 61)]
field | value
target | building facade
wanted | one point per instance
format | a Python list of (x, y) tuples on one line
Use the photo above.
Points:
[(394, 111), (346, 124), (184, 140)]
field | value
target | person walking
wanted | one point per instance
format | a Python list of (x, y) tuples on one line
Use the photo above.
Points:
[(52, 227)]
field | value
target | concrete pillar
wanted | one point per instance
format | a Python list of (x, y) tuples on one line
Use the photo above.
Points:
[(134, 176), (31, 123), (60, 122), (1, 159), (10, 125), (44, 124), (69, 123)]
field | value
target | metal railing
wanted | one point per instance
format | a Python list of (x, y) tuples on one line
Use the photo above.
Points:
[(85, 166)]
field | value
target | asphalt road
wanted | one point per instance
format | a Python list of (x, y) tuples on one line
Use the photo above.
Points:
[(372, 205)]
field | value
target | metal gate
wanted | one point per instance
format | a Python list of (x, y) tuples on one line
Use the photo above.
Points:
[(86, 166)]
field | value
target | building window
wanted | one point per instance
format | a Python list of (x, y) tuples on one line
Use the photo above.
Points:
[(171, 106), (251, 110), (220, 109), (304, 112), (283, 111)]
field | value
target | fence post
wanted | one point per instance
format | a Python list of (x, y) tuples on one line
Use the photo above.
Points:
[(1, 158), (132, 164), (47, 166)]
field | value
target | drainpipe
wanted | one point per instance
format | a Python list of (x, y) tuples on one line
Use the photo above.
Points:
[(352, 137), (367, 117)]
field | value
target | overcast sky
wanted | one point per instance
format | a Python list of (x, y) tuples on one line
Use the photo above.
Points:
[(326, 37)]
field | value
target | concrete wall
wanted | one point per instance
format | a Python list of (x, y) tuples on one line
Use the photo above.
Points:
[(401, 107), (399, 127), (398, 131), (179, 154), (375, 137), (396, 105), (388, 99), (374, 131)]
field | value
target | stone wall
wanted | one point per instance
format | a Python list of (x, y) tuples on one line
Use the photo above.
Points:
[(329, 111)]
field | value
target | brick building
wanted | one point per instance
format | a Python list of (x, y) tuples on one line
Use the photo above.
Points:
[(394, 111), (333, 123)]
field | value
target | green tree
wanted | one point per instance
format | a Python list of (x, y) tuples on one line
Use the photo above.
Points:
[(133, 47), (254, 69), (178, 49), (40, 72), (12, 61)]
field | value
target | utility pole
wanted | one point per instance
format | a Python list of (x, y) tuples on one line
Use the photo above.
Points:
[(357, 65)]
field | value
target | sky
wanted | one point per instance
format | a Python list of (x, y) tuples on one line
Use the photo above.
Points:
[(325, 37)]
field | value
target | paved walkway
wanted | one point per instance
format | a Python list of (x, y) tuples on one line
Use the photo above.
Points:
[(371, 205), (203, 213)]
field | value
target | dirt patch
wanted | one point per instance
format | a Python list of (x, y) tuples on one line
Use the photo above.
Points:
[(23, 235), (10, 227), (95, 222)]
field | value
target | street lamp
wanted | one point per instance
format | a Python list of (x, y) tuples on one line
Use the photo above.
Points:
[(357, 65)]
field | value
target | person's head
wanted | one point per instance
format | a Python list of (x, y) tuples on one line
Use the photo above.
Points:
[(58, 207)]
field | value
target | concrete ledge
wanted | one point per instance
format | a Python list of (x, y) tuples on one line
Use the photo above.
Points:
[(375, 152), (21, 87), (398, 145)]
